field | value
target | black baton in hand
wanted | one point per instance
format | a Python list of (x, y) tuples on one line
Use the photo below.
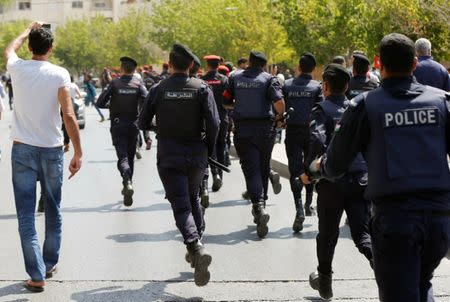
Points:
[(216, 164)]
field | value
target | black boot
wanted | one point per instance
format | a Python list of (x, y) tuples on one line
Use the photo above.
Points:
[(299, 216), (322, 283), (127, 193), (245, 195), (40, 208), (261, 218), (200, 260), (217, 182), (227, 158), (309, 210), (275, 181), (204, 194)]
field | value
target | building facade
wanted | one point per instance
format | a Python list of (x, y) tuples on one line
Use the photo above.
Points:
[(57, 12)]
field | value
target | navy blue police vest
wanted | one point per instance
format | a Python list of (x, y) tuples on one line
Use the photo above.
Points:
[(407, 151), (301, 94), (125, 98), (179, 110), (335, 112), (251, 98)]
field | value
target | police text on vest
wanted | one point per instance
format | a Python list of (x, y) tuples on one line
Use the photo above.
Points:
[(413, 117)]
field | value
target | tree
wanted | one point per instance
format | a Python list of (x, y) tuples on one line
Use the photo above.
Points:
[(9, 31), (230, 28)]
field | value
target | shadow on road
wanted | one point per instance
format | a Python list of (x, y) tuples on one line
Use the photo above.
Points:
[(173, 235), (154, 291), (14, 289), (118, 207)]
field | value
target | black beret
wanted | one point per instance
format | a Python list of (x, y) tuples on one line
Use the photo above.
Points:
[(258, 55), (197, 60), (361, 57), (309, 56), (183, 50), (336, 70), (129, 60)]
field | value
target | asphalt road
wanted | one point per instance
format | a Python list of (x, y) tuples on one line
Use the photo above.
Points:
[(113, 253)]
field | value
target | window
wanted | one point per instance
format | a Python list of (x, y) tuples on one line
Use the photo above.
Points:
[(102, 5), (1, 9), (77, 4), (24, 5)]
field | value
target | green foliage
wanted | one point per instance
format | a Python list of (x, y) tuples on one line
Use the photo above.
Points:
[(10, 31), (331, 27), (230, 28)]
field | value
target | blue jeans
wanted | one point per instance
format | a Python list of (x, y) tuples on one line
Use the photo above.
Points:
[(29, 164), (407, 248)]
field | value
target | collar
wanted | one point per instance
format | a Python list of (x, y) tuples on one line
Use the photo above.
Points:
[(305, 76), (337, 99), (397, 81), (424, 58), (179, 75)]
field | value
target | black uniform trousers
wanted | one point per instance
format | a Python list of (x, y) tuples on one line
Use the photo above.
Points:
[(408, 246), (221, 144), (332, 201), (297, 143), (254, 145), (124, 136), (181, 176)]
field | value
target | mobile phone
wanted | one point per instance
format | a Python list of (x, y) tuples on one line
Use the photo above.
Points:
[(47, 25)]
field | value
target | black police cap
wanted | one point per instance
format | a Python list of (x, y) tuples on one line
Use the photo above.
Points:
[(197, 60), (338, 60), (336, 71), (129, 60), (183, 50), (361, 57), (310, 56), (258, 55)]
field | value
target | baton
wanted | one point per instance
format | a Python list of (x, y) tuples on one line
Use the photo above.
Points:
[(216, 164)]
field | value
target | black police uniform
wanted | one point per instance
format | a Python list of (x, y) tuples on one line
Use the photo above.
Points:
[(254, 92), (361, 83), (403, 129), (187, 126), (123, 96), (343, 194), (301, 94), (218, 83)]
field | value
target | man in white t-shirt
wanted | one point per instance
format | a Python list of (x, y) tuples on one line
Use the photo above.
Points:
[(41, 91)]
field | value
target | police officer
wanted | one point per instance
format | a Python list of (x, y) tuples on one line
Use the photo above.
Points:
[(345, 193), (123, 96), (301, 94), (218, 83), (184, 107), (403, 129), (361, 80), (253, 94), (204, 191)]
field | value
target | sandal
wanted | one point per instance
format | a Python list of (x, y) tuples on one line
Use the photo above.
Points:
[(49, 274), (34, 286)]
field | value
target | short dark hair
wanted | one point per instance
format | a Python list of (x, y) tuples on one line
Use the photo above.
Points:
[(255, 62), (180, 61), (40, 41), (242, 61), (128, 66), (337, 84), (397, 53), (214, 64), (306, 64), (360, 67)]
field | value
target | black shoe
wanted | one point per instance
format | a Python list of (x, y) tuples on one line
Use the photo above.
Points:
[(299, 216), (204, 194), (138, 154), (309, 211), (217, 183), (49, 274), (245, 195), (275, 181), (200, 260), (227, 159), (322, 283), (261, 218), (40, 208), (128, 192)]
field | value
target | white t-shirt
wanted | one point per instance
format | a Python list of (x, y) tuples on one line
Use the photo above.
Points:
[(73, 91), (36, 117)]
